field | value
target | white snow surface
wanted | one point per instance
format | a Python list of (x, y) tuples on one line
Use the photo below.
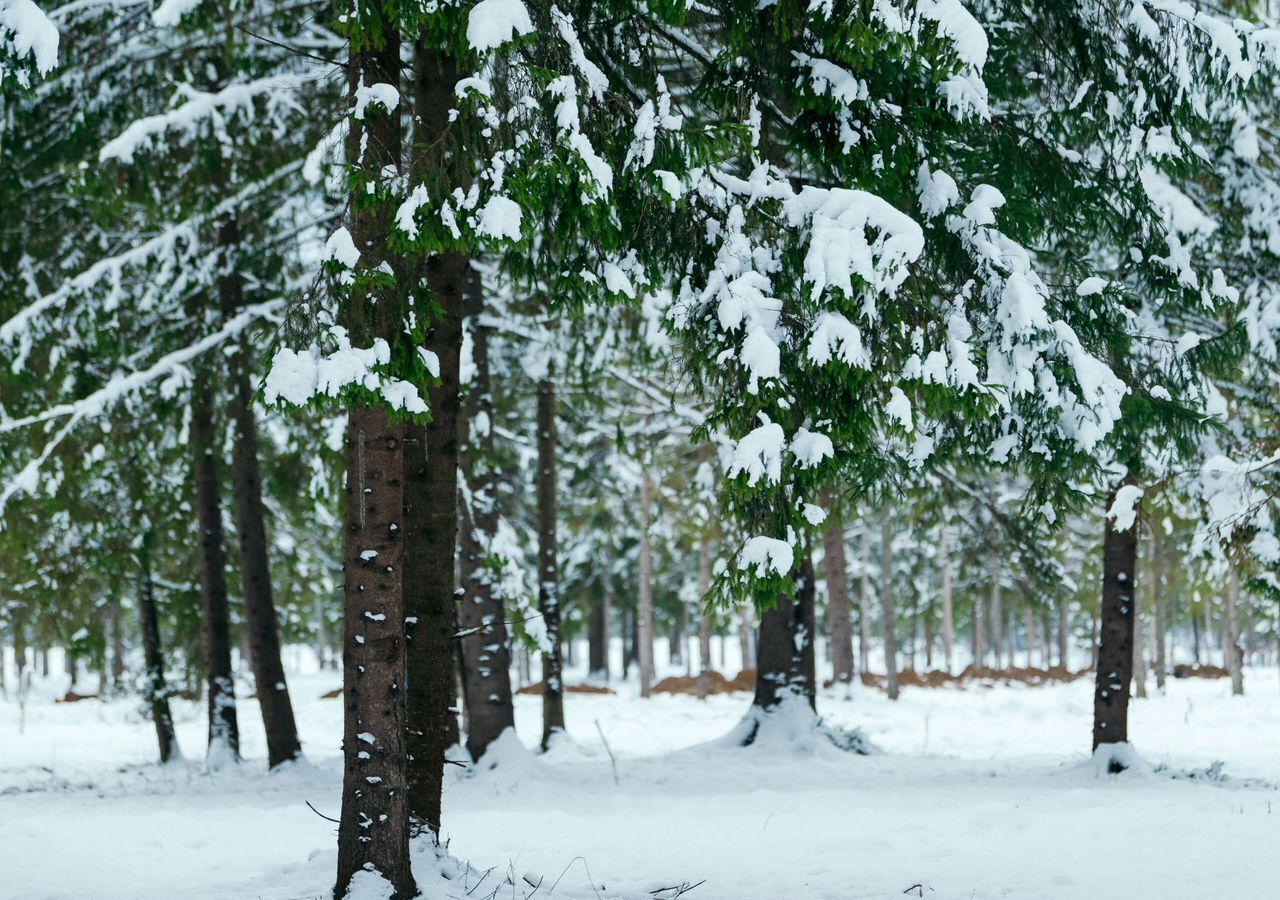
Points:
[(976, 794), (493, 23), (26, 29)]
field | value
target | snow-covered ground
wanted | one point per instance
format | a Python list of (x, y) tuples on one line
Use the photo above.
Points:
[(983, 792)]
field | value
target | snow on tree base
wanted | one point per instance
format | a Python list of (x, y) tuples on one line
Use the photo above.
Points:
[(792, 727)]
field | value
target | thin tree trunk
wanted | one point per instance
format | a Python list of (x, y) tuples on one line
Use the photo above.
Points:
[(1139, 633), (1161, 607), (888, 613), (914, 618), (1231, 630), (704, 617), (1029, 634), (997, 615), (979, 631), (598, 634), (928, 635), (224, 731), (20, 642), (625, 636), (839, 612), (645, 610), (548, 566), (246, 487), (864, 602), (784, 649), (675, 639), (374, 827), (157, 691), (1064, 643), (117, 643), (1115, 644), (948, 611)]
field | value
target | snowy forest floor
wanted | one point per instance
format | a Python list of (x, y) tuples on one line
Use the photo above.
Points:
[(977, 793)]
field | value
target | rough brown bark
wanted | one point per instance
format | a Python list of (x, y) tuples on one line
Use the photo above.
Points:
[(644, 611), (374, 823), (889, 614), (431, 477), (374, 827), (839, 613), (246, 489), (224, 731), (548, 564), (157, 692), (484, 647), (784, 645), (1115, 644)]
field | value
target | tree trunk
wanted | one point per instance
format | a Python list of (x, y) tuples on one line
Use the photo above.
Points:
[(598, 634), (997, 615), (979, 631), (1064, 637), (485, 646), (839, 612), (704, 617), (1231, 630), (864, 602), (645, 609), (431, 477), (374, 825), (1139, 633), (784, 648), (1115, 644), (928, 634), (888, 613), (625, 635), (157, 691), (948, 611), (548, 565), (676, 639), (1029, 634), (1161, 606), (913, 634), (224, 732), (20, 642), (246, 488)]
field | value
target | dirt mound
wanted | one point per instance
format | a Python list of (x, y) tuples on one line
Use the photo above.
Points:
[(1182, 670), (979, 675), (73, 697), (716, 683), (568, 689)]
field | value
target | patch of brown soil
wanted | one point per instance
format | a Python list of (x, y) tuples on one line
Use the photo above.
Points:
[(716, 683), (568, 689), (330, 695), (1182, 670), (73, 697)]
